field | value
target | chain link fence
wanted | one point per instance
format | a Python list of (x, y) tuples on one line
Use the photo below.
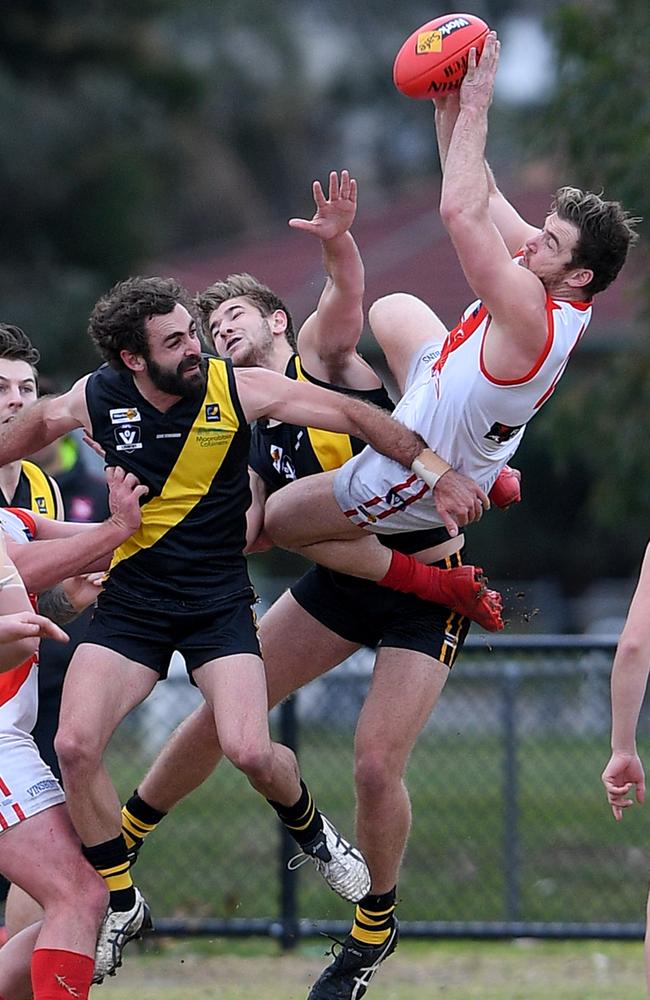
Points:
[(512, 835)]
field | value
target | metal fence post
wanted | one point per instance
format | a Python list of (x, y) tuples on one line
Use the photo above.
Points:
[(509, 688), (289, 924)]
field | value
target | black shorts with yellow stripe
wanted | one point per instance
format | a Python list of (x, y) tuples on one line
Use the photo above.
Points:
[(148, 632), (364, 613)]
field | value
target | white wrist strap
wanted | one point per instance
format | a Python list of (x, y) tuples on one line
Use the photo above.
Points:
[(429, 467)]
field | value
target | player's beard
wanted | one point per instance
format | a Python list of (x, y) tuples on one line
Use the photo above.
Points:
[(176, 383), (259, 353)]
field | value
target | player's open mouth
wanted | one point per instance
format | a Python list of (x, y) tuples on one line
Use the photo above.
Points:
[(232, 344)]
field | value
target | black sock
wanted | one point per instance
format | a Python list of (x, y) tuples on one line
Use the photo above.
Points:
[(302, 820), (139, 819), (110, 860)]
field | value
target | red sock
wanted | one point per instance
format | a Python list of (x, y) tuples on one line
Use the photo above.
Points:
[(60, 975), (412, 577)]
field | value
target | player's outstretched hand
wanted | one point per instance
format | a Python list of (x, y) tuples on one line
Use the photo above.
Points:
[(477, 87), (124, 494), (82, 591), (623, 772), (335, 214), (459, 500)]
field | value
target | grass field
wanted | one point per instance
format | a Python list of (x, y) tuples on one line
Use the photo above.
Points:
[(520, 970)]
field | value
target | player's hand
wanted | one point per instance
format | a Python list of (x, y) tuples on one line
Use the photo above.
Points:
[(93, 445), (335, 214), (477, 87), (459, 500), (623, 772), (28, 625), (124, 494), (82, 591)]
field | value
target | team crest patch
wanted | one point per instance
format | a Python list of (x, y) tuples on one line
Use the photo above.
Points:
[(125, 415), (212, 411), (41, 505), (502, 432), (282, 463), (127, 438)]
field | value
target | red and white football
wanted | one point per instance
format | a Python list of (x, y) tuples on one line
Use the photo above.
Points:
[(433, 60)]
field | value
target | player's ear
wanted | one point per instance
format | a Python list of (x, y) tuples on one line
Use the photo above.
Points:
[(134, 362), (278, 321), (580, 277)]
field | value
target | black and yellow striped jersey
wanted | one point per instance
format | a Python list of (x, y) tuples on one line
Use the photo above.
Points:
[(281, 452), (35, 492), (193, 458)]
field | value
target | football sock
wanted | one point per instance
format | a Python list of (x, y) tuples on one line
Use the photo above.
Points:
[(408, 575), (110, 860), (138, 821), (302, 820), (373, 918), (59, 974)]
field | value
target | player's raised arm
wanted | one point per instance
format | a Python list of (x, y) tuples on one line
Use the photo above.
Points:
[(48, 419), (328, 339), (514, 297)]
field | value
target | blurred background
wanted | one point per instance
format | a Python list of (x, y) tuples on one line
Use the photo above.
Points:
[(178, 138)]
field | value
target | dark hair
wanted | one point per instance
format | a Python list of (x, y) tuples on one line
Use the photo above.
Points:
[(117, 321), (242, 286), (605, 234), (16, 345)]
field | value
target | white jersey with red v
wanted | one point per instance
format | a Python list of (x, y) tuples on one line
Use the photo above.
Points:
[(19, 687)]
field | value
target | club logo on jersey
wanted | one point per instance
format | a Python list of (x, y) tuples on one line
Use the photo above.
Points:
[(501, 432), (127, 438), (41, 505), (212, 411), (126, 415), (282, 463)]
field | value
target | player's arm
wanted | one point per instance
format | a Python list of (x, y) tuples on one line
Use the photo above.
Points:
[(64, 549), (20, 627), (513, 229), (266, 394), (328, 339), (514, 297), (629, 681), (48, 419), (255, 514)]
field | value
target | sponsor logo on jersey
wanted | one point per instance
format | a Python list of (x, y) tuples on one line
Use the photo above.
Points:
[(160, 437), (212, 411), (502, 432), (41, 505), (125, 415), (42, 786), (127, 438)]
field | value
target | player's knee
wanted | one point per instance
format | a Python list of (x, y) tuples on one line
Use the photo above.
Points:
[(374, 772), (75, 750), (256, 762), (384, 309)]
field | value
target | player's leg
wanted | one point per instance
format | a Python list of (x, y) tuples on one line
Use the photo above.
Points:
[(15, 964), (235, 687), (403, 692), (329, 538), (298, 648), (402, 324), (101, 687), (42, 855)]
